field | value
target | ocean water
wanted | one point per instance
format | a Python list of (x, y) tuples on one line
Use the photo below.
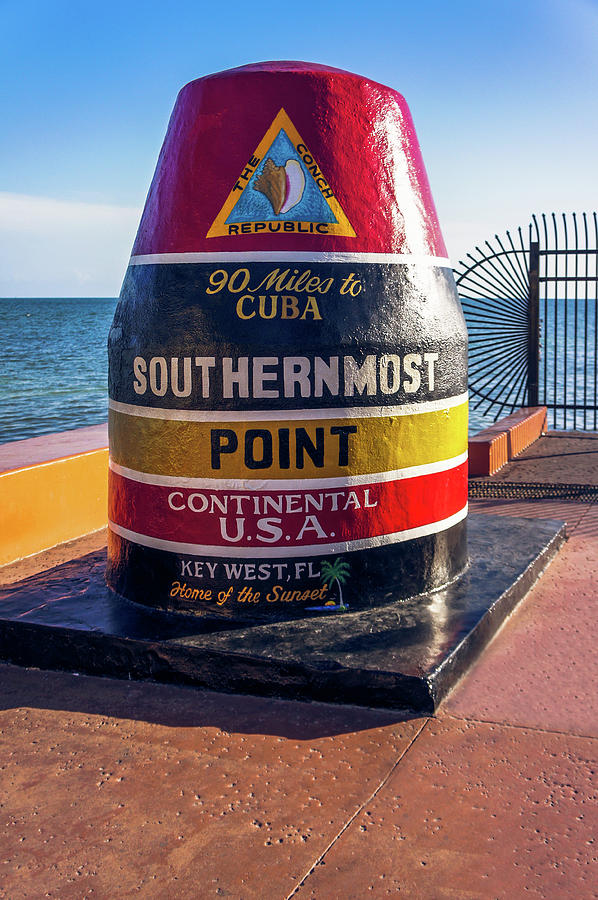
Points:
[(478, 419), (53, 364), (569, 362), (568, 371)]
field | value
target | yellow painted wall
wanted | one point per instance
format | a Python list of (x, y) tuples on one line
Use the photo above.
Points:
[(53, 502)]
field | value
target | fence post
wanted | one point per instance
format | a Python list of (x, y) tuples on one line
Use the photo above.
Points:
[(533, 332)]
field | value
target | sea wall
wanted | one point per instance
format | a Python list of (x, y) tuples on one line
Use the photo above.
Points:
[(53, 488)]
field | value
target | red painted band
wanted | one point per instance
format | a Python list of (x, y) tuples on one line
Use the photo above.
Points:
[(285, 518), (362, 145)]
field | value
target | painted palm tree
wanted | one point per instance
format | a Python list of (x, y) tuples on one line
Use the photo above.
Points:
[(337, 571)]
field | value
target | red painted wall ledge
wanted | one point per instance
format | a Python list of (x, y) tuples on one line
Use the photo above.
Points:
[(492, 448), (53, 488)]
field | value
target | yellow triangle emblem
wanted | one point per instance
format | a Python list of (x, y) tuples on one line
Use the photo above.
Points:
[(281, 190)]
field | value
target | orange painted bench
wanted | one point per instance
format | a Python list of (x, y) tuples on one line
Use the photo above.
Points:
[(53, 488), (492, 448)]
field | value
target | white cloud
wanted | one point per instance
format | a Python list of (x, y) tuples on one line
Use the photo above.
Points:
[(52, 247)]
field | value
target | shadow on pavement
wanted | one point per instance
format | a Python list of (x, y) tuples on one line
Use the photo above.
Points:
[(175, 706)]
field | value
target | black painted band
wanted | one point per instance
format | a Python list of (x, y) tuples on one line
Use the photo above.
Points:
[(287, 587), (184, 335)]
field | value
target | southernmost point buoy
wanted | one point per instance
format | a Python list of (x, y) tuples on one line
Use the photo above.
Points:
[(288, 360)]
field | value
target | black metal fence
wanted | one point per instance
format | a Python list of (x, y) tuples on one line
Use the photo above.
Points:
[(531, 305)]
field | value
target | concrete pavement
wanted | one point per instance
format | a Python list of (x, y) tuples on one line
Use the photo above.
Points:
[(115, 789)]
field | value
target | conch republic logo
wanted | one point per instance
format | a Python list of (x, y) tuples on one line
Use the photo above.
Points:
[(281, 190)]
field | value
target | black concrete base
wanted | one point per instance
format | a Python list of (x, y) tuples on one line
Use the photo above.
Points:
[(408, 654)]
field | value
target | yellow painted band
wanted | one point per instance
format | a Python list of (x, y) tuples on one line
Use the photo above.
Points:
[(380, 444)]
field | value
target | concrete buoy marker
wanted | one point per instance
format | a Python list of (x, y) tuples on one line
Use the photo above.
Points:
[(288, 360)]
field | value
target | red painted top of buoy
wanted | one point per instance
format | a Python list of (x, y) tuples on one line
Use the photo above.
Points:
[(359, 133)]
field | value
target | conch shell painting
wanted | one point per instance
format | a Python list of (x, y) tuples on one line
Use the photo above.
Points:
[(282, 185)]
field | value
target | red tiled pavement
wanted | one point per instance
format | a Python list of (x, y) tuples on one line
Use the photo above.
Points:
[(474, 811), (539, 669), (55, 556), (559, 457), (587, 526), (570, 512), (116, 789), (112, 789)]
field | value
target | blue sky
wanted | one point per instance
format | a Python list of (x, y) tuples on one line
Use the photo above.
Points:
[(503, 95)]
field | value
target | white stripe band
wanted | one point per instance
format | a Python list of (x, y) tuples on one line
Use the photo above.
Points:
[(285, 415), (289, 551), (273, 485), (149, 259)]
